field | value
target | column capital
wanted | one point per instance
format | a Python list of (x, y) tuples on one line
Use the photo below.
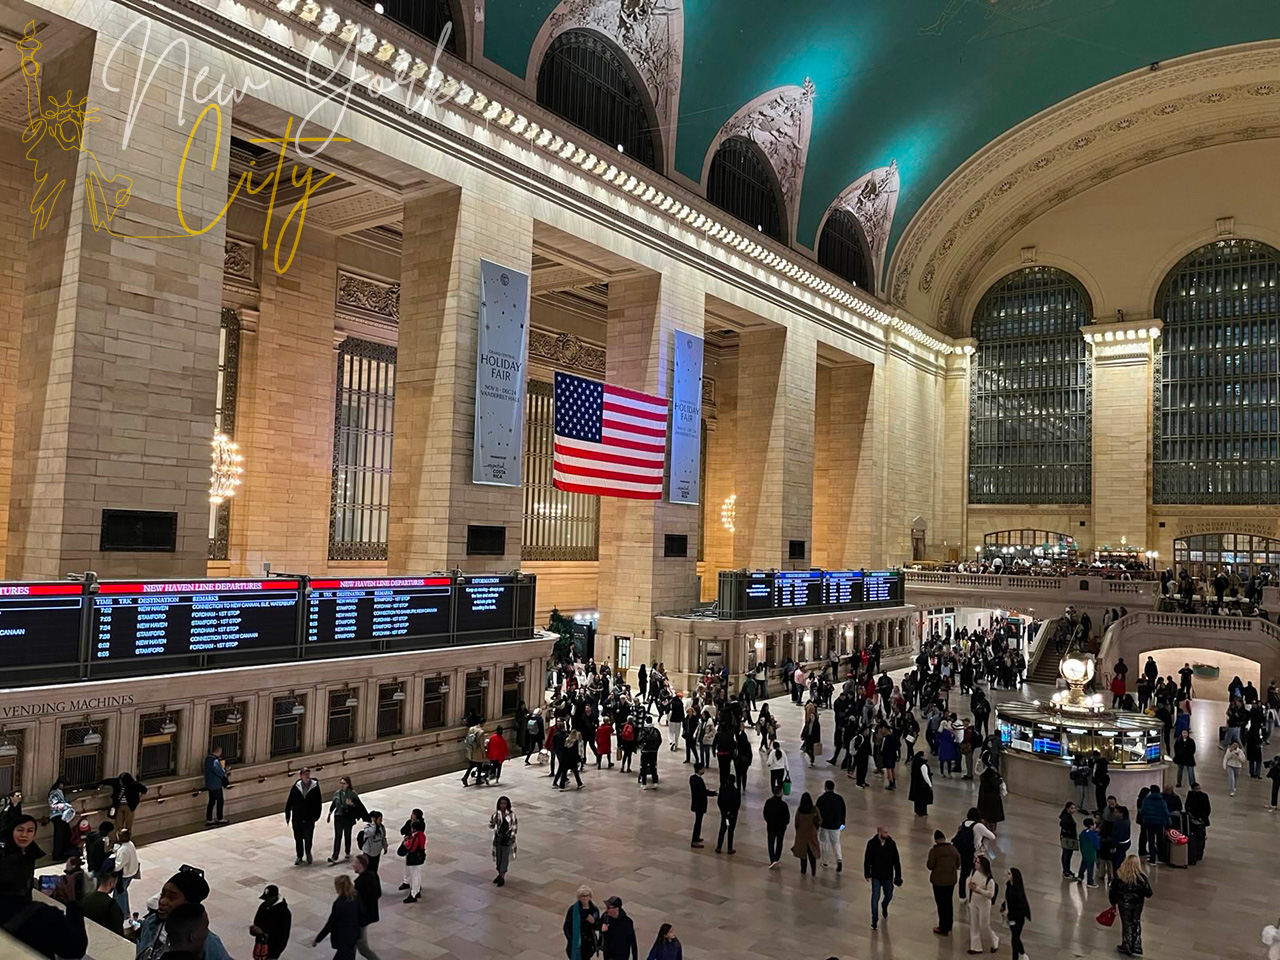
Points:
[(1122, 340)]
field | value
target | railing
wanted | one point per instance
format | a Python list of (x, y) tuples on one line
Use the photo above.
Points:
[(1190, 624)]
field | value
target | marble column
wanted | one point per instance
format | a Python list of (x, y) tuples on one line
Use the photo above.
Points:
[(432, 497), (841, 429), (119, 346), (777, 370)]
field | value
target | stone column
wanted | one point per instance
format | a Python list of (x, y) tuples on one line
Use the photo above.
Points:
[(636, 580), (1122, 411), (949, 529), (722, 471), (15, 232), (777, 371), (117, 376), (432, 497), (868, 434)]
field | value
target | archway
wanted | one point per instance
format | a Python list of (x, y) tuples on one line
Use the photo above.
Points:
[(1206, 685)]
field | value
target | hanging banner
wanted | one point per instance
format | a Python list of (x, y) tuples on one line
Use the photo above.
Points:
[(686, 420), (500, 353)]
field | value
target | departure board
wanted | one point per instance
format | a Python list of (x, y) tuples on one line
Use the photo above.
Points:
[(842, 588), (384, 608), (757, 592), (40, 623), (133, 621), (485, 604), (799, 589), (883, 587)]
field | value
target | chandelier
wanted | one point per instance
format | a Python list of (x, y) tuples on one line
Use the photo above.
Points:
[(225, 469)]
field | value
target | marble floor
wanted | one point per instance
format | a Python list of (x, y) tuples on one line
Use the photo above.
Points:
[(633, 843)]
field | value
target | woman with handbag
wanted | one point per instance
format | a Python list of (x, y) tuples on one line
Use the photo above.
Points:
[(779, 768), (503, 824), (414, 851), (62, 814), (1128, 894), (982, 891), (346, 808), (1016, 909), (1068, 838)]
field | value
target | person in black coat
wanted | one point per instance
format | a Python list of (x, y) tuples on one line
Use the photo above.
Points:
[(617, 933), (368, 889), (921, 791), (698, 794), (343, 926), (302, 809), (581, 925), (729, 800), (882, 868), (45, 929), (126, 794), (273, 922), (777, 817)]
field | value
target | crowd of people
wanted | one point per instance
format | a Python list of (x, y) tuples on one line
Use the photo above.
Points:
[(934, 722)]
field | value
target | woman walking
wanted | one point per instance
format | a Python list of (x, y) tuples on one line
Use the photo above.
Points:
[(344, 810), (806, 843), (742, 758), (991, 789), (1016, 909), (981, 896), (503, 824), (921, 791), (766, 726), (779, 769), (1128, 894), (811, 736), (1232, 762), (414, 851), (343, 926), (665, 945), (1068, 839)]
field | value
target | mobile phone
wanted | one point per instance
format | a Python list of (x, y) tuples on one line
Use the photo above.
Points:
[(48, 883)]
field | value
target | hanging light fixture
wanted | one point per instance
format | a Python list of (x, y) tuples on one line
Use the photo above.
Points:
[(92, 738), (168, 728), (234, 715), (398, 695), (352, 700), (225, 469)]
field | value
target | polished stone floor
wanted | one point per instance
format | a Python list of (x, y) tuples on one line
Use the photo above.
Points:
[(634, 843)]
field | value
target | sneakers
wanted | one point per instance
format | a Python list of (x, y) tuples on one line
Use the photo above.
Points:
[(297, 862), (839, 866), (404, 886), (410, 899), (210, 823), (222, 821)]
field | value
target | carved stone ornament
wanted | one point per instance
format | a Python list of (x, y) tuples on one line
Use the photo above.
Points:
[(238, 261), (365, 295), (872, 199), (566, 351), (779, 123), (649, 32)]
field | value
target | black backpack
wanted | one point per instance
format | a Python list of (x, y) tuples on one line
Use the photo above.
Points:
[(964, 842)]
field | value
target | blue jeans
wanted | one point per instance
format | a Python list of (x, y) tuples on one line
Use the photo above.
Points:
[(1086, 870), (121, 895), (877, 888)]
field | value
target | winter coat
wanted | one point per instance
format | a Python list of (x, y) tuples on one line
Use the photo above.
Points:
[(990, 790), (947, 750), (806, 841), (1184, 752), (1129, 895), (921, 786), (944, 864), (343, 927), (304, 802)]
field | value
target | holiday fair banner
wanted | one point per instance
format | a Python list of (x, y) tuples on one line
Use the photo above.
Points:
[(686, 421), (500, 354)]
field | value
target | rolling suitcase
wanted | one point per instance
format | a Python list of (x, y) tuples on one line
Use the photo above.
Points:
[(1175, 843)]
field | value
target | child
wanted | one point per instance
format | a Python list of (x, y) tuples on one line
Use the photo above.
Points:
[(1089, 845)]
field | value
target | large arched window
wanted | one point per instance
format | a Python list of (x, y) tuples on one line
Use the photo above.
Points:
[(426, 18), (1029, 403), (740, 183), (843, 250), (1217, 424), (586, 81)]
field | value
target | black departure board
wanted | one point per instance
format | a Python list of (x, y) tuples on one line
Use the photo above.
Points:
[(485, 604), (383, 608), (40, 623), (883, 587), (842, 588), (138, 620), (757, 592), (798, 589)]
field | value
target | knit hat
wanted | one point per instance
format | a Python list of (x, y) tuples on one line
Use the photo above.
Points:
[(193, 887)]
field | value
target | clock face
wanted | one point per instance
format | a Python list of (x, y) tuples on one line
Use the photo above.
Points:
[(1076, 670)]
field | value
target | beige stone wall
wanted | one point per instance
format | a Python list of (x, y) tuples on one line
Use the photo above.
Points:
[(912, 415), (717, 547), (840, 537), (15, 233), (1121, 449)]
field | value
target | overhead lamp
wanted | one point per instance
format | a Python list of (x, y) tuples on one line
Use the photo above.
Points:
[(520, 677), (398, 695), (298, 709), (444, 687), (352, 701), (8, 749), (92, 738), (484, 682), (234, 717)]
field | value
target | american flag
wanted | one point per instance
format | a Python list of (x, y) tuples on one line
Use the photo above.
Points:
[(609, 441)]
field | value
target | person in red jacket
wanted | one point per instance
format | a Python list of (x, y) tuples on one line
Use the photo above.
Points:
[(497, 751), (1117, 690), (604, 742)]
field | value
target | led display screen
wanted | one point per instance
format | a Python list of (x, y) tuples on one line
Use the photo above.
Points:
[(384, 608)]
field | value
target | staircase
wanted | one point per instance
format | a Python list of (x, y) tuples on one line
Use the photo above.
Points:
[(1044, 665)]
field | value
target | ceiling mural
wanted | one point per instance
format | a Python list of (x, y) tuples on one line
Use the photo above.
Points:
[(872, 200), (926, 83)]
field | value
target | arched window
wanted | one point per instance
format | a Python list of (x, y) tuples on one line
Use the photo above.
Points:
[(586, 81), (1246, 554), (426, 18), (1029, 403), (740, 183), (1217, 388), (843, 250)]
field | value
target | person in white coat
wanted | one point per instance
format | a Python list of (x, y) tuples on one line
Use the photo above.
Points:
[(981, 895), (779, 768)]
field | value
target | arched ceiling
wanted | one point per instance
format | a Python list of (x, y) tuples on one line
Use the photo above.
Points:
[(923, 83)]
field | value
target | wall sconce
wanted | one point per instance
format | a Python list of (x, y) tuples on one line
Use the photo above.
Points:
[(729, 512), (398, 696), (444, 687), (352, 700), (484, 682), (520, 677)]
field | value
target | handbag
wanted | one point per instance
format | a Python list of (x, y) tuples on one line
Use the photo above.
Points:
[(1107, 917), (402, 850), (786, 787), (260, 948), (1069, 843)]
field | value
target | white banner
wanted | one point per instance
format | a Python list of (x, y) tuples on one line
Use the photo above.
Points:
[(686, 420), (500, 355)]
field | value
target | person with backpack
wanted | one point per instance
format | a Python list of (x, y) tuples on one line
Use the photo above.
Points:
[(271, 925), (497, 752), (534, 734), (627, 743), (414, 850), (503, 824), (1090, 844), (372, 840), (126, 794), (971, 842), (96, 846), (650, 744), (344, 810), (473, 745), (706, 737), (617, 933)]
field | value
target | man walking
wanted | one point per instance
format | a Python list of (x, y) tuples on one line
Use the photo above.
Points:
[(729, 801), (882, 868), (617, 933), (777, 817), (368, 890), (698, 794), (944, 872), (832, 813), (303, 809)]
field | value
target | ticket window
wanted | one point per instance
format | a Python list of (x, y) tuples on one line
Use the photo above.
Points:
[(771, 648), (712, 655)]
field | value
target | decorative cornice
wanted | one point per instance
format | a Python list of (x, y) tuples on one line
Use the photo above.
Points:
[(367, 296), (240, 264), (567, 352)]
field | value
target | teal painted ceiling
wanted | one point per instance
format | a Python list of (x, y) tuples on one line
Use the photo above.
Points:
[(924, 82)]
